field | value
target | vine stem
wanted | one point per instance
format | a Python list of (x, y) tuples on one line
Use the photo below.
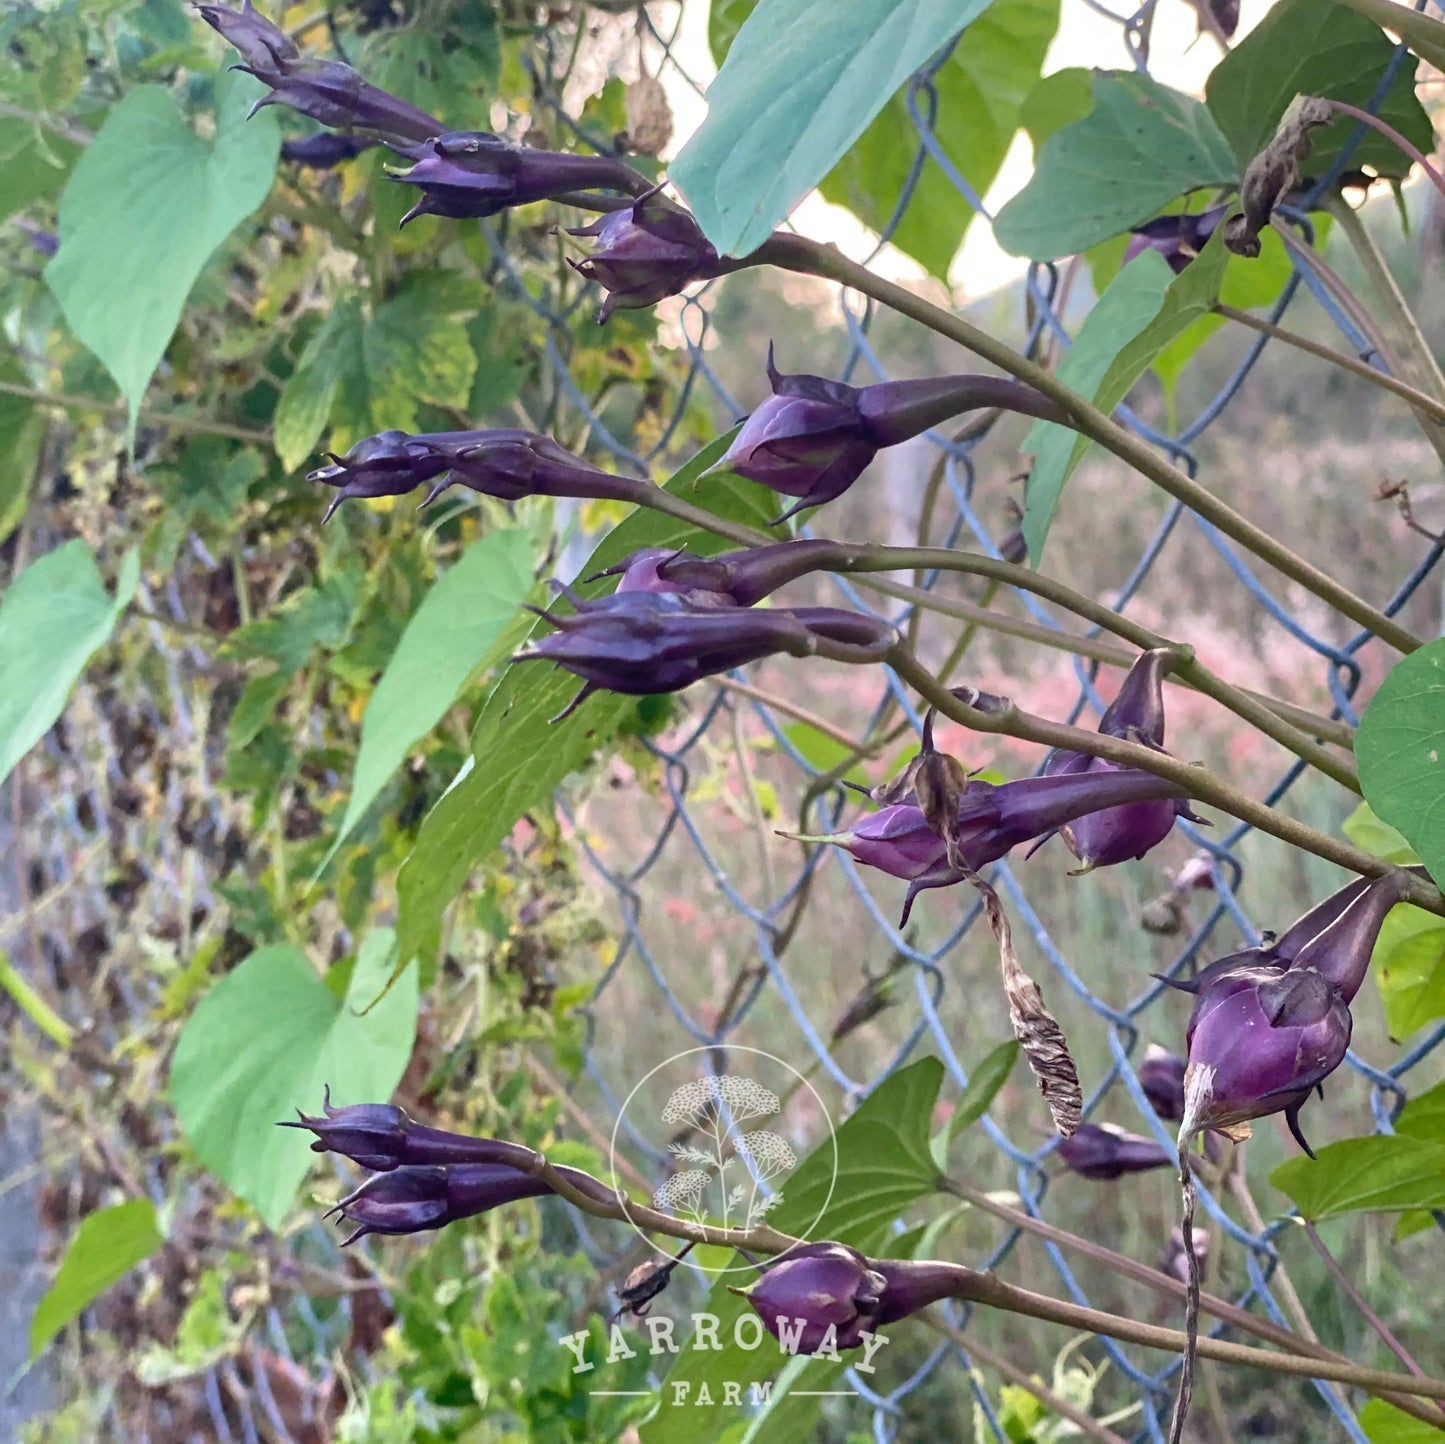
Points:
[(593, 1197), (1358, 1299), (1197, 782), (1421, 400), (1392, 135), (797, 253), (1165, 1284), (860, 560)]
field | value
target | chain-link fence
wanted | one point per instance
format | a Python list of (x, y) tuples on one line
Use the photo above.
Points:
[(698, 981)]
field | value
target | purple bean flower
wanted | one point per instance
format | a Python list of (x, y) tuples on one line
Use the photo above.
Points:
[(506, 464), (466, 174), (1264, 1033), (1117, 834), (411, 1199), (327, 90), (644, 642), (992, 819), (651, 249), (820, 1297), (1104, 1153), (812, 438), (1177, 238), (733, 579)]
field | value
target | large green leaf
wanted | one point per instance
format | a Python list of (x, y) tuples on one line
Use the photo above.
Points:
[(1424, 1116), (1424, 34), (108, 1245), (1387, 1175), (884, 1166), (1409, 967), (1315, 47), (1142, 146), (266, 1040), (54, 615), (1144, 309), (451, 634), (518, 760), (1385, 1424), (974, 1102), (147, 205), (800, 84), (1400, 747), (981, 89)]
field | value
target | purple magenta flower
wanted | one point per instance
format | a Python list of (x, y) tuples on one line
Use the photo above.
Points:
[(507, 464), (1104, 1153), (645, 642), (733, 579), (650, 249), (413, 1199), (1266, 1031), (323, 151), (1117, 834), (327, 90), (812, 438), (465, 174), (992, 819), (819, 1297), (1177, 238)]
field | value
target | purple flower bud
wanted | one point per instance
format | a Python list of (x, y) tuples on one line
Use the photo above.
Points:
[(651, 249), (413, 1199), (991, 820), (507, 464), (327, 90), (1337, 938), (1161, 1076), (381, 1137), (474, 173), (738, 578), (1104, 1153), (812, 438), (1260, 1038), (322, 152), (266, 49), (819, 1297), (1177, 238), (1117, 834), (645, 642)]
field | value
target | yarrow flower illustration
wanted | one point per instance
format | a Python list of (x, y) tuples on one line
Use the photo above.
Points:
[(742, 1098), (683, 1190)]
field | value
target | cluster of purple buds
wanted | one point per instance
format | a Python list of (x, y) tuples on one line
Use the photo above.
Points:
[(1104, 1153), (992, 820), (423, 1178), (813, 438), (470, 174), (459, 173), (822, 1297), (644, 642), (1117, 834), (506, 464), (1179, 239), (327, 90), (733, 579), (1271, 1023), (645, 251)]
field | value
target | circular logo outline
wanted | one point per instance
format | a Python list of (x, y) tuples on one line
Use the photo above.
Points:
[(712, 1049)]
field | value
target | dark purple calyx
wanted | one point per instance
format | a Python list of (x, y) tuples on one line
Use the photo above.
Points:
[(818, 1298), (644, 252), (738, 578), (414, 1199), (1179, 239)]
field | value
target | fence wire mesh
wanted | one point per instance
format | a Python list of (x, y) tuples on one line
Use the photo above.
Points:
[(660, 989)]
